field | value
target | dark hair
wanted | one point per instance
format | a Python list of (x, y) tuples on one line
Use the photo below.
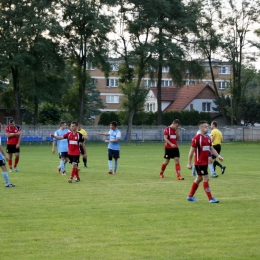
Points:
[(11, 121), (214, 123), (62, 123), (113, 123), (176, 121), (202, 122), (74, 123)]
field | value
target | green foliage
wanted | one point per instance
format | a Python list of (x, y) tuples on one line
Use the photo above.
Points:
[(49, 114), (7, 99), (104, 119)]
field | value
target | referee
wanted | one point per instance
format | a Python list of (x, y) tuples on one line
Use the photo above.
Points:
[(85, 135), (216, 139)]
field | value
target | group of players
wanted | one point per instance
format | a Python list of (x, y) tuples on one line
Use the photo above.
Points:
[(206, 148), (71, 144)]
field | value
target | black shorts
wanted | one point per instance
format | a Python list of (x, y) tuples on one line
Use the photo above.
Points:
[(74, 159), (171, 153), (63, 155), (217, 147), (2, 163), (113, 154), (11, 148), (201, 169)]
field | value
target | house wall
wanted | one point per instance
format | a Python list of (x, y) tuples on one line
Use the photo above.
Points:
[(197, 105)]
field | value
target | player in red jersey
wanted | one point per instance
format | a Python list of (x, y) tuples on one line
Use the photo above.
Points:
[(13, 133), (201, 145), (171, 135), (75, 139)]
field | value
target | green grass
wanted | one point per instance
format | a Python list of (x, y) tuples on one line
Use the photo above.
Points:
[(131, 215)]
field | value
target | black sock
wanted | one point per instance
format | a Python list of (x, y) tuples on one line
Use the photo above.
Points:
[(85, 161), (218, 164)]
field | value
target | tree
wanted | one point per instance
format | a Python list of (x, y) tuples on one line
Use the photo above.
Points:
[(86, 41), (240, 19), (21, 22)]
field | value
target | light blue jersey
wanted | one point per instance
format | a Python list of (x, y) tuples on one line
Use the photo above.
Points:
[(113, 135), (62, 145), (207, 134), (1, 156)]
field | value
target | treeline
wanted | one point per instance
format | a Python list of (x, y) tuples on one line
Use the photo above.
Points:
[(150, 118)]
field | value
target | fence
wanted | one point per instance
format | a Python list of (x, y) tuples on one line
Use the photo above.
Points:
[(140, 133)]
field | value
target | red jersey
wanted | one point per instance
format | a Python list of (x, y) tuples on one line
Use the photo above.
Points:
[(13, 130), (202, 145), (172, 137), (73, 142)]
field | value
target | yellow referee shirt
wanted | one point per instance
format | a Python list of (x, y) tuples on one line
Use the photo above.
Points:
[(217, 136), (83, 132)]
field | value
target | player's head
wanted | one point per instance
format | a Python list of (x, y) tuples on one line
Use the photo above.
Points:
[(74, 126), (63, 124), (176, 122), (113, 125), (11, 122), (214, 124), (203, 126)]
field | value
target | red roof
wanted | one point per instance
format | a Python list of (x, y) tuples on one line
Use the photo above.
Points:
[(185, 95), (168, 93)]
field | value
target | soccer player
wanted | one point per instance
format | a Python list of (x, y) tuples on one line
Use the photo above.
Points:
[(85, 135), (62, 146), (75, 139), (3, 157), (201, 145), (171, 135), (13, 133), (216, 139), (211, 168), (113, 146)]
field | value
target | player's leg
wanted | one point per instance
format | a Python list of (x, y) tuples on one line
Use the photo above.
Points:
[(110, 163), (211, 168), (5, 175), (10, 151), (195, 185), (164, 165), (116, 156), (178, 168), (16, 159), (76, 170)]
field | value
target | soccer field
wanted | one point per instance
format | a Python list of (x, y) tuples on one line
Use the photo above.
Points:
[(133, 214)]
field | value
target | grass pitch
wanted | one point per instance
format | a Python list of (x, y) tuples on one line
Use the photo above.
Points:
[(133, 214)]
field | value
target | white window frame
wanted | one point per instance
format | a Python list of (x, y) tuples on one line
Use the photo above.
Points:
[(166, 83), (114, 66), (224, 70), (223, 84), (165, 69), (149, 83), (150, 106), (112, 99), (90, 66), (206, 106), (112, 82)]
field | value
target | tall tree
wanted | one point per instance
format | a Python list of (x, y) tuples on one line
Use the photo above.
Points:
[(240, 18), (85, 31), (21, 21)]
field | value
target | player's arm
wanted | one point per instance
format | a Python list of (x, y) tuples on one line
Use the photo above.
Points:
[(84, 148), (191, 152), (53, 146), (100, 133), (12, 134), (57, 137), (212, 137), (214, 152), (3, 152), (178, 136), (165, 137), (19, 139)]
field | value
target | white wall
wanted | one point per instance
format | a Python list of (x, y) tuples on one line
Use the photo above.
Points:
[(197, 104)]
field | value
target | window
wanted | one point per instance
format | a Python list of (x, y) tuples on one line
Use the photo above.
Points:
[(149, 83), (90, 66), (94, 81), (114, 66), (150, 107), (166, 83), (112, 99), (223, 84), (207, 68), (206, 106), (165, 69), (112, 82), (224, 70)]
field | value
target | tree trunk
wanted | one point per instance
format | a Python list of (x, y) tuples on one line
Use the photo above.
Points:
[(159, 82), (16, 87), (130, 124), (36, 111)]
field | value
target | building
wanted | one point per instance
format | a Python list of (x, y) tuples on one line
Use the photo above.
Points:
[(112, 98)]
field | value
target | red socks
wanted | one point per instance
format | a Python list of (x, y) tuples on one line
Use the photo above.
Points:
[(207, 190), (162, 168), (194, 187), (178, 169), (16, 162), (10, 164), (74, 172)]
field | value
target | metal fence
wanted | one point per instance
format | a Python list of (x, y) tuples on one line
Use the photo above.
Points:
[(147, 133)]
